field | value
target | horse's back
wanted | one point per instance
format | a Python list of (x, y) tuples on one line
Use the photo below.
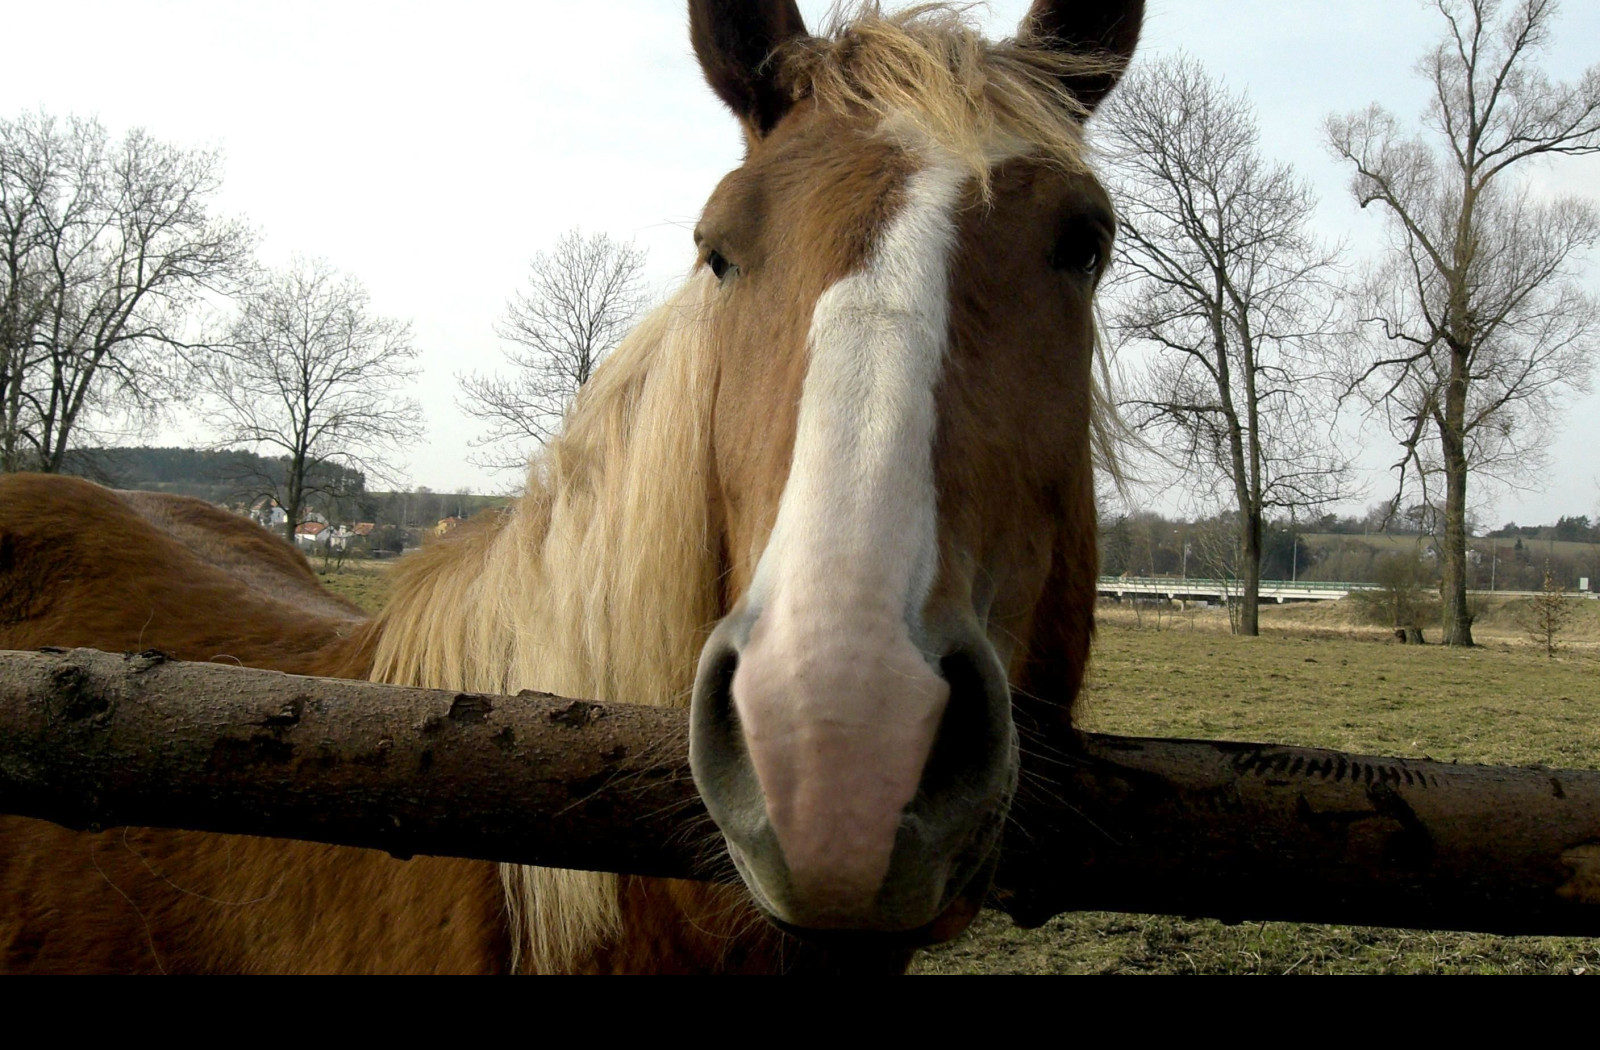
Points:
[(260, 560), (81, 565)]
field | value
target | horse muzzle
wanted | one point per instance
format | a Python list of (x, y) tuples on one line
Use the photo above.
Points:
[(860, 784)]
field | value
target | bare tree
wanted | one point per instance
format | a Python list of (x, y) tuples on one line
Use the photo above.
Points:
[(581, 299), (1475, 321), (1211, 551), (1400, 599), (105, 250), (312, 375), (1219, 279)]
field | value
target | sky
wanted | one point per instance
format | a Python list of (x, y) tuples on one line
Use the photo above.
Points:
[(431, 150)]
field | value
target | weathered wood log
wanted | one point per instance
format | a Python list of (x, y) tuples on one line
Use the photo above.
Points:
[(1242, 831), (1237, 831), (98, 740)]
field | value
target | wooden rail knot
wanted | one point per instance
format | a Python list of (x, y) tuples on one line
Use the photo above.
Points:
[(577, 714)]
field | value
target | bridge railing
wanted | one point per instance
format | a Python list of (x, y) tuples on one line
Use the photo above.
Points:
[(1324, 590)]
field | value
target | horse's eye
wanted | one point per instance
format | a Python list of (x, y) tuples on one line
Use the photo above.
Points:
[(1075, 253), (719, 263)]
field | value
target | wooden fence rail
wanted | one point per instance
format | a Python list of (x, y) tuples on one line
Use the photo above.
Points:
[(1236, 831)]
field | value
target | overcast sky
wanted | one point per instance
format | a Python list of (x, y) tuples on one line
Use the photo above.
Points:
[(432, 149)]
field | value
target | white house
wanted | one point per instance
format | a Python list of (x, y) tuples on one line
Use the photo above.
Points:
[(268, 514), (310, 534)]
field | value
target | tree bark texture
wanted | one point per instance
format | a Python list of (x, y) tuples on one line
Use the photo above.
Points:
[(1250, 569), (1453, 576), (1232, 830)]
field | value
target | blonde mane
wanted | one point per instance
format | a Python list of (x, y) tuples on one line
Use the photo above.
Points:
[(602, 582)]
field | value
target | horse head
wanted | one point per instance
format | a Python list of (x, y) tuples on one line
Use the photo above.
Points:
[(904, 341)]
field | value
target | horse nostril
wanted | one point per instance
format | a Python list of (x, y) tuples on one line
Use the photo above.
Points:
[(974, 734), (712, 713), (716, 680), (718, 755)]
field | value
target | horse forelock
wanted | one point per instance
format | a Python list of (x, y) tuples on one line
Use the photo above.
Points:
[(929, 81), (931, 72)]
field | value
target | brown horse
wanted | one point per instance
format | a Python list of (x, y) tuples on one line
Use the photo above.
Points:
[(838, 491)]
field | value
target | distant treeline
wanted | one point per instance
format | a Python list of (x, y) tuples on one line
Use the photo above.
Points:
[(232, 478), (1575, 529), (228, 477), (1418, 520), (1147, 544)]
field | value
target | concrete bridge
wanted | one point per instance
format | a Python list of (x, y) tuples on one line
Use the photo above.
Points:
[(1196, 589)]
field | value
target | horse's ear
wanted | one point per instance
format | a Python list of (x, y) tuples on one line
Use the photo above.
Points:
[(734, 40), (1109, 30)]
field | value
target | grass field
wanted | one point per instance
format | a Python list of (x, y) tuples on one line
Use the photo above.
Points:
[(364, 582), (1314, 679)]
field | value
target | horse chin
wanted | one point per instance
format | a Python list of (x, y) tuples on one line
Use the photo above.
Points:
[(949, 925), (959, 905)]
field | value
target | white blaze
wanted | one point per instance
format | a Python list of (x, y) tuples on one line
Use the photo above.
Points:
[(839, 706)]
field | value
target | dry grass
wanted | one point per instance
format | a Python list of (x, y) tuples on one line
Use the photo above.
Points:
[(1355, 691), (1104, 943)]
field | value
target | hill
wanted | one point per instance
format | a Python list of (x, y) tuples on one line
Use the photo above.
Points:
[(227, 476), (233, 478)]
